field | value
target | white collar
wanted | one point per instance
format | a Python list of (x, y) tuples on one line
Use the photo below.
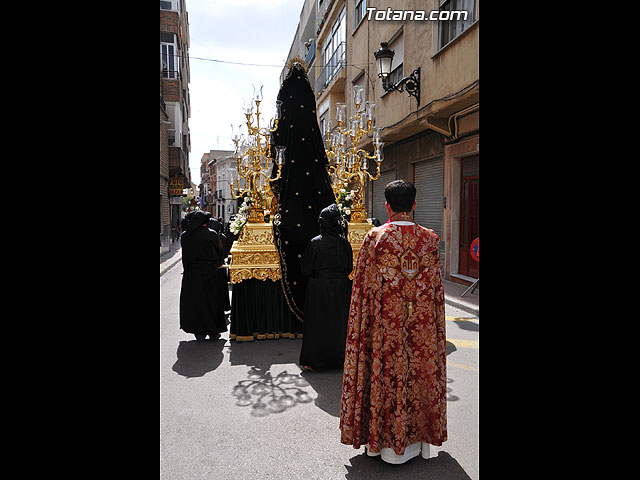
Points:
[(402, 223)]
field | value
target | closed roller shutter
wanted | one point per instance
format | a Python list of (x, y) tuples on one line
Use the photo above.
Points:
[(428, 179), (379, 210)]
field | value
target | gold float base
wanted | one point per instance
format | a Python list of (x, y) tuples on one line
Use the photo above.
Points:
[(263, 336), (357, 232), (254, 254)]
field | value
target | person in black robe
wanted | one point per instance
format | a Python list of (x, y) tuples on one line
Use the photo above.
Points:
[(203, 289), (212, 224), (184, 224), (327, 262), (216, 224)]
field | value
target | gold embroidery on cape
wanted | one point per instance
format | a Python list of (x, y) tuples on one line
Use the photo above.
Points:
[(409, 264), (388, 260), (409, 241), (409, 290), (429, 260)]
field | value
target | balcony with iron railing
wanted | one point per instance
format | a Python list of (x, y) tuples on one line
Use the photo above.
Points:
[(311, 53), (324, 7), (331, 70), (166, 73)]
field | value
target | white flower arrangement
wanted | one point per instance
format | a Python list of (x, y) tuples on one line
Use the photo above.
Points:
[(242, 216), (345, 202)]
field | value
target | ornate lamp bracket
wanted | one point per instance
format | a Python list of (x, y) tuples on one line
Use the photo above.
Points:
[(410, 84)]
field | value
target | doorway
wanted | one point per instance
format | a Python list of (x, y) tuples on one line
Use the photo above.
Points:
[(469, 214)]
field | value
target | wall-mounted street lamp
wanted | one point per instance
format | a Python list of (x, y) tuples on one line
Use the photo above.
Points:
[(411, 83)]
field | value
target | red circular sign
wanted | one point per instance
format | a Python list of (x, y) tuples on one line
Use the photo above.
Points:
[(475, 249)]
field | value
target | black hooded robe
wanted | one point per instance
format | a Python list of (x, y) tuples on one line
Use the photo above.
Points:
[(216, 225), (202, 292), (327, 262), (304, 188)]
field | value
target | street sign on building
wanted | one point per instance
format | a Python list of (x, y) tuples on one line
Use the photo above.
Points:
[(475, 249), (175, 186)]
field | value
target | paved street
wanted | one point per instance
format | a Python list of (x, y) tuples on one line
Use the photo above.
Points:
[(247, 411)]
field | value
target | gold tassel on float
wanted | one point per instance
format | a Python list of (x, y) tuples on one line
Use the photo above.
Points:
[(264, 336)]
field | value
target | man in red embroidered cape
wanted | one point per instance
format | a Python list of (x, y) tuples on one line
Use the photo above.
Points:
[(394, 380)]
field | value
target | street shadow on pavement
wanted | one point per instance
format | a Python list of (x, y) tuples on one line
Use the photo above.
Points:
[(467, 325), (285, 390), (328, 386), (265, 393), (194, 359), (450, 396), (437, 467), (264, 353)]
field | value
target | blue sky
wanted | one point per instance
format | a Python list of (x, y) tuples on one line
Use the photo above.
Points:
[(246, 31)]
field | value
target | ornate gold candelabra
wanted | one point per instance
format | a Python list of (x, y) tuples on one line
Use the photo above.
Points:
[(348, 164), (253, 156), (253, 254)]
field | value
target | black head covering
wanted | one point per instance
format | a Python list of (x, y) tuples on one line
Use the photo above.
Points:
[(331, 221), (198, 218), (214, 224), (333, 224), (304, 188)]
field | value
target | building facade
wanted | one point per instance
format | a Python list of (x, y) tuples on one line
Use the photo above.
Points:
[(206, 192), (174, 100), (303, 44), (218, 170), (165, 219), (433, 143)]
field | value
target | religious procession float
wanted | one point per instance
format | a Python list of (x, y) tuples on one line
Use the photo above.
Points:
[(288, 172)]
